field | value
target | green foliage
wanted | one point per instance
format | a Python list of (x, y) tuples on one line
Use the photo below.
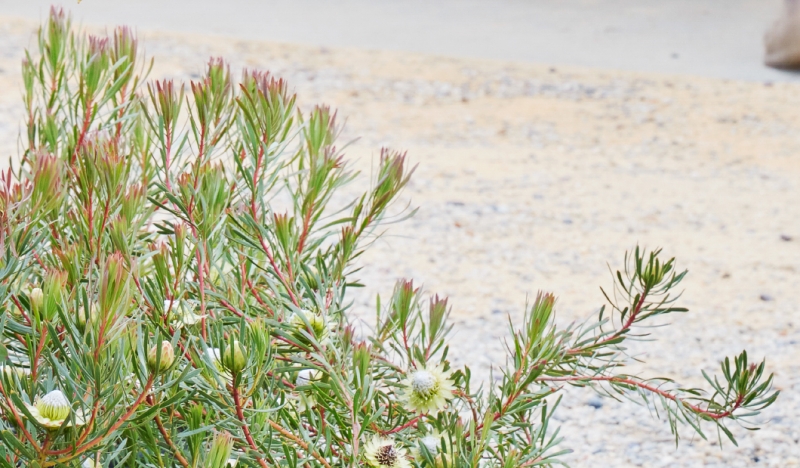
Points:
[(174, 276)]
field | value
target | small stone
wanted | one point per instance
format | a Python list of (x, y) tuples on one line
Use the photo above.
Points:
[(765, 297), (786, 238), (595, 402)]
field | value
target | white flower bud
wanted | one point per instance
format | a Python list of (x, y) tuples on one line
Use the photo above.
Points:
[(54, 406), (233, 359), (37, 298), (93, 313)]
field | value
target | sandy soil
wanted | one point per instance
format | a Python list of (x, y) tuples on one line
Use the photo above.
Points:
[(533, 177)]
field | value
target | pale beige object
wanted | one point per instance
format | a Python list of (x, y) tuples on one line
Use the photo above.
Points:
[(782, 40)]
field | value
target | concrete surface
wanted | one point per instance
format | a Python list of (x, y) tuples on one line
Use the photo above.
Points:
[(716, 38)]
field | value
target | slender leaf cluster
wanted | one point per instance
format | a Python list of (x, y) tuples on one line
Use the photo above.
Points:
[(174, 275)]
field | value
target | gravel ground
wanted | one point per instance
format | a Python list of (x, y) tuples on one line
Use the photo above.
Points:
[(539, 178)]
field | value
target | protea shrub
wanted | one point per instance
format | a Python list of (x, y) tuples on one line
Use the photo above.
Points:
[(175, 269)]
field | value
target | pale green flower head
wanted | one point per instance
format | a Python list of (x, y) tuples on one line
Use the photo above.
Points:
[(427, 390), (233, 358), (319, 326), (52, 410)]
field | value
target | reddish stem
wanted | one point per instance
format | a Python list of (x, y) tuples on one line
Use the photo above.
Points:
[(87, 120), (412, 422), (299, 442), (625, 327), (21, 310), (171, 444), (271, 259), (102, 225), (304, 234), (705, 412), (18, 419), (38, 355), (245, 428), (74, 450)]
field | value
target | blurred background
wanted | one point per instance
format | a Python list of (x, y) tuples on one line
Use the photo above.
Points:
[(719, 38), (550, 137)]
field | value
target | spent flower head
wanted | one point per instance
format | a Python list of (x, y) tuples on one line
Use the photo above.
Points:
[(381, 452)]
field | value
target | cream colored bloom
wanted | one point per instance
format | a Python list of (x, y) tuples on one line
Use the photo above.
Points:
[(427, 389), (52, 411), (214, 357), (381, 452)]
